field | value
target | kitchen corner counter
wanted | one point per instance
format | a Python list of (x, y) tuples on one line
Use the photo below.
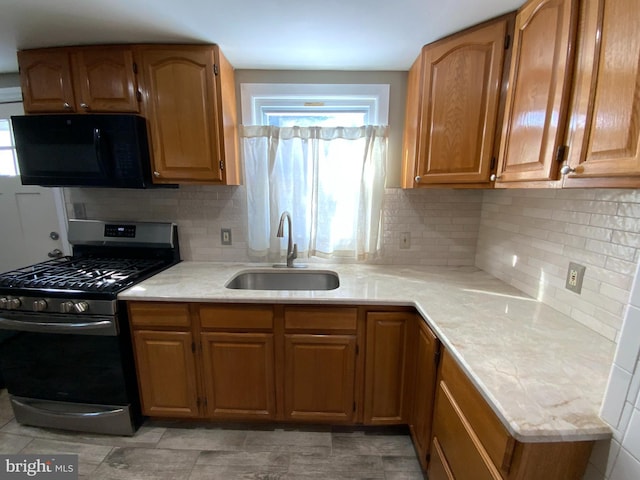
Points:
[(543, 373)]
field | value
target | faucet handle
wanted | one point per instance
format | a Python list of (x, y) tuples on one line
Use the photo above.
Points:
[(294, 255)]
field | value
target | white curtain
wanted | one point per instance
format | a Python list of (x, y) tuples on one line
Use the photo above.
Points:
[(331, 180)]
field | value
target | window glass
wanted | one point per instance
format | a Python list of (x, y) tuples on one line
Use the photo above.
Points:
[(7, 150)]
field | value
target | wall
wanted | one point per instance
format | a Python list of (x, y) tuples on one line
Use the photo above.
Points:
[(397, 99), (528, 237), (619, 459), (443, 224)]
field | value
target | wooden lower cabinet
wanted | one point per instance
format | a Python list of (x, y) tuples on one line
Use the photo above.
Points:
[(388, 367), (333, 364), (239, 375), (470, 442), (166, 373), (427, 349), (319, 382)]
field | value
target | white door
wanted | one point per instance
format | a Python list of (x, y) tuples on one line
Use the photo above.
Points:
[(32, 219)]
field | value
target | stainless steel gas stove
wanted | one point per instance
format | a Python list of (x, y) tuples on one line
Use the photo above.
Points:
[(66, 357)]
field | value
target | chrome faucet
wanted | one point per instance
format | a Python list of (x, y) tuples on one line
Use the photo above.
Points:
[(292, 248)]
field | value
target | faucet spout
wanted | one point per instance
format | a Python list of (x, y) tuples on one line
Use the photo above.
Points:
[(292, 248)]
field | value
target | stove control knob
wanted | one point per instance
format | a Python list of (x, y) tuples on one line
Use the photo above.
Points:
[(14, 303), (4, 302), (39, 305), (81, 307), (66, 307)]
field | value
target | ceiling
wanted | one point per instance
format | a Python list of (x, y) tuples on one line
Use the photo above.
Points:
[(253, 34)]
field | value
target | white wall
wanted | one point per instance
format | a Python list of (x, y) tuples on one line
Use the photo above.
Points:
[(619, 459)]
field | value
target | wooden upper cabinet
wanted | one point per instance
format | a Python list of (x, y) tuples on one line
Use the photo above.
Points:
[(539, 90), (453, 108), (105, 79), (605, 125), (78, 79), (189, 101), (45, 77)]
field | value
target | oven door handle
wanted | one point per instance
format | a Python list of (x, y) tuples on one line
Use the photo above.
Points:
[(101, 327), (26, 404)]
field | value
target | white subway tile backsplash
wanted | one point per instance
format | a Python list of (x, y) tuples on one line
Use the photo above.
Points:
[(626, 467), (586, 226), (629, 345), (631, 441)]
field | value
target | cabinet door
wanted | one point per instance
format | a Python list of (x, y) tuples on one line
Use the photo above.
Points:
[(45, 77), (104, 80), (538, 93), (239, 375), (387, 367), (424, 390), (182, 108), (320, 377), (605, 128), (166, 373), (460, 99)]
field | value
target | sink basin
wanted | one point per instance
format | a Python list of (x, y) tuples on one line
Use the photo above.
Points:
[(285, 280)]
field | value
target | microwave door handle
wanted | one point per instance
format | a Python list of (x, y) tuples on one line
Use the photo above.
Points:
[(98, 145)]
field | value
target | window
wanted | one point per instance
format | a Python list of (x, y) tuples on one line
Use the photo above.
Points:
[(8, 164), (318, 152)]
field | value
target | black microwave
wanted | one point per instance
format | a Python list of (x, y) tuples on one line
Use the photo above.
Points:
[(90, 150)]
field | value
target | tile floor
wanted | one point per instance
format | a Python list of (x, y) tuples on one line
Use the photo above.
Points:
[(181, 450)]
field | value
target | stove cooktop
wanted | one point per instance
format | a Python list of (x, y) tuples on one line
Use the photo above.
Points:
[(90, 275)]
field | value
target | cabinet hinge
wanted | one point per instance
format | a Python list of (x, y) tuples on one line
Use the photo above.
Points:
[(193, 348), (221, 165), (216, 71), (437, 357), (560, 154), (507, 42), (357, 349), (198, 401), (205, 402), (138, 95), (427, 457), (135, 68), (354, 406), (494, 160)]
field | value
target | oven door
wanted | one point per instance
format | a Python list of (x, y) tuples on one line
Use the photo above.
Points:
[(78, 381), (63, 367)]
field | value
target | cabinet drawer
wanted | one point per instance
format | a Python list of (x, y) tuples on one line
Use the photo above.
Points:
[(159, 314), (494, 437), (236, 317), (314, 318), (460, 448)]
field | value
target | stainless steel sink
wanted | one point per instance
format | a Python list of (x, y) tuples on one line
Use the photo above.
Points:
[(285, 280)]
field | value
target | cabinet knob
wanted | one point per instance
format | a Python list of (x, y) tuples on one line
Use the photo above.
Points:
[(565, 170), (156, 174), (66, 106), (418, 178), (84, 106), (494, 177)]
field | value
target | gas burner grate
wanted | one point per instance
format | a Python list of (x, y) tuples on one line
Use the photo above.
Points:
[(81, 274)]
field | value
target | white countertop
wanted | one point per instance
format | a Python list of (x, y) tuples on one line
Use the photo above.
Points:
[(542, 373)]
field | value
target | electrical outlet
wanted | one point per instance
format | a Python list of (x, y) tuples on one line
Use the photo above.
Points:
[(405, 240), (225, 236), (575, 276)]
